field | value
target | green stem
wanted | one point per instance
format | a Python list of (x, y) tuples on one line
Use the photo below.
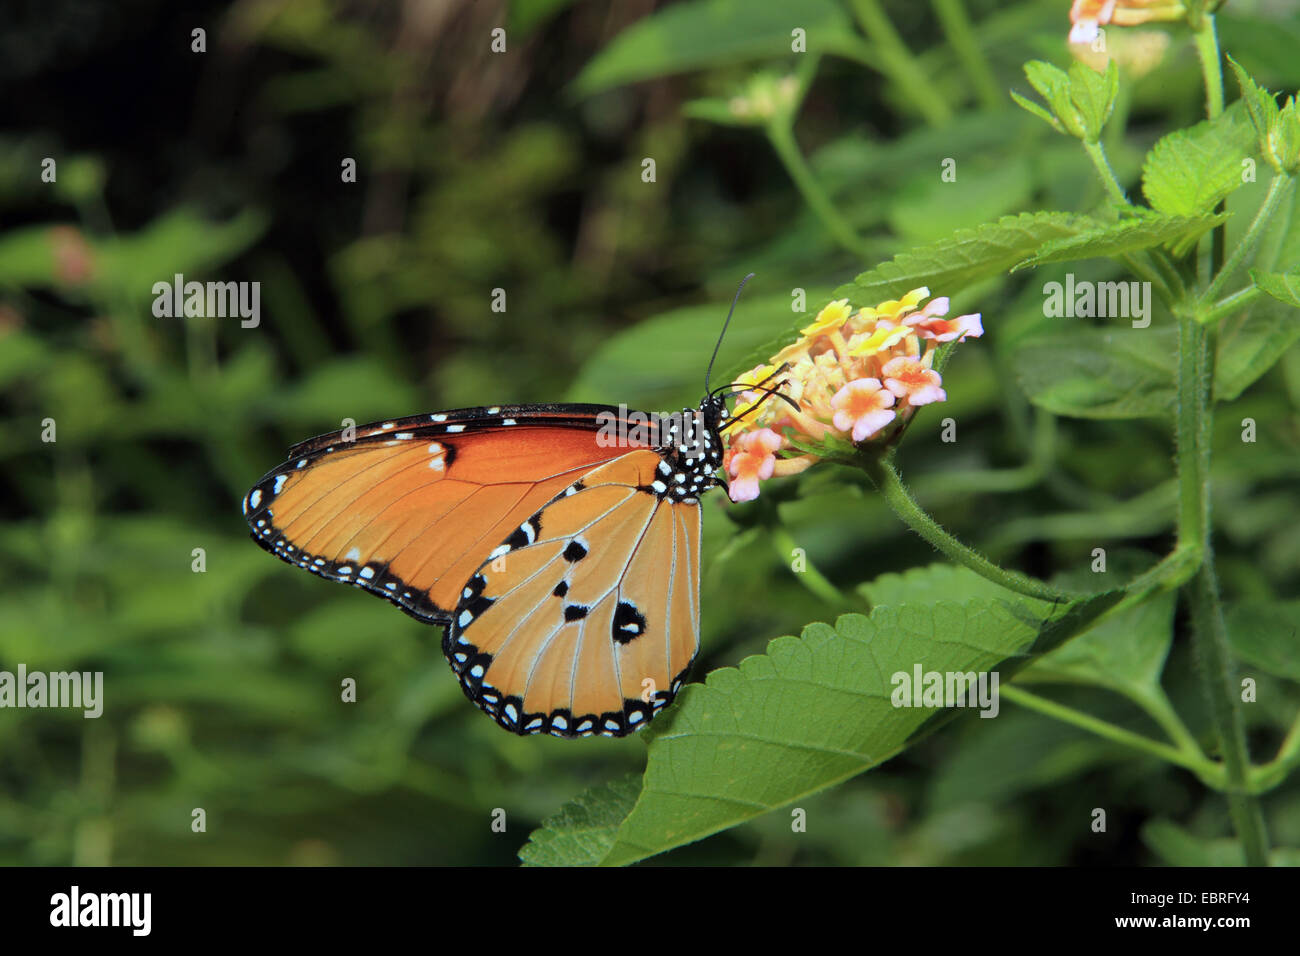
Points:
[(1210, 637), (1276, 770), (1192, 437), (961, 35), (898, 498), (1159, 709), (1211, 643), (1207, 50), (1227, 306), (1203, 768), (1097, 153), (1277, 191), (809, 577), (787, 150), (897, 63), (1143, 270)]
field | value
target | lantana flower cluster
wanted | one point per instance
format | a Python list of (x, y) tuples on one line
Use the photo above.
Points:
[(857, 376)]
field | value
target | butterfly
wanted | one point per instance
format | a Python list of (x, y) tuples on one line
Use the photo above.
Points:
[(558, 545)]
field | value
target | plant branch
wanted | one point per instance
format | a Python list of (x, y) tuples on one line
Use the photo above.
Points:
[(1097, 153), (1277, 191), (961, 36), (782, 139), (896, 495), (1203, 768), (897, 63), (1210, 637)]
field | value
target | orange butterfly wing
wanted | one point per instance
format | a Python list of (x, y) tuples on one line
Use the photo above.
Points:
[(587, 621), (409, 508)]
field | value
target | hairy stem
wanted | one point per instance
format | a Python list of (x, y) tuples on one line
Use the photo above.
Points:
[(1277, 192), (891, 486), (1210, 637)]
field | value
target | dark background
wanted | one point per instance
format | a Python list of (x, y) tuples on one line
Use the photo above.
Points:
[(478, 171)]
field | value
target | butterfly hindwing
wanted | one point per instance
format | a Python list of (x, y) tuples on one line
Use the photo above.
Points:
[(586, 619)]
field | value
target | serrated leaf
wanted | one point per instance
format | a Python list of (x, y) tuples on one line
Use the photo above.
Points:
[(1100, 373), (1283, 286), (809, 713), (949, 265), (946, 266), (1190, 170), (582, 832), (709, 33), (1261, 106), (1127, 235)]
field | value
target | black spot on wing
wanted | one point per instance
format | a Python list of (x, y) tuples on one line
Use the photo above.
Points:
[(576, 551), (628, 624)]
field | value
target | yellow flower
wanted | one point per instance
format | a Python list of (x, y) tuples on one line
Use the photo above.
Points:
[(831, 318)]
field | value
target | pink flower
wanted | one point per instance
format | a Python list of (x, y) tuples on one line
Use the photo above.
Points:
[(751, 460), (862, 406), (930, 324), (913, 380)]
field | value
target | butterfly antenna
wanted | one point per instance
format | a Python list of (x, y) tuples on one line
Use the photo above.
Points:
[(767, 393), (709, 370)]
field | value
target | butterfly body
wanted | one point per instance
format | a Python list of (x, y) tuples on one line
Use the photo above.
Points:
[(565, 567)]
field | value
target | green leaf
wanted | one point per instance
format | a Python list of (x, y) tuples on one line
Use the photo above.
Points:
[(1266, 634), (659, 363), (1177, 846), (708, 33), (1261, 107), (945, 267), (1043, 114), (1250, 344), (936, 582), (1081, 100), (809, 713), (1127, 235), (949, 265), (582, 832), (1190, 170), (1125, 652), (1283, 286), (1053, 84), (1100, 373), (1093, 95)]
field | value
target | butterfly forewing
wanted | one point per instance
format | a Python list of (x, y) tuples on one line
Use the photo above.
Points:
[(586, 624), (409, 508)]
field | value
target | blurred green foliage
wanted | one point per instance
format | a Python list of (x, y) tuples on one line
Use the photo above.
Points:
[(523, 171)]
